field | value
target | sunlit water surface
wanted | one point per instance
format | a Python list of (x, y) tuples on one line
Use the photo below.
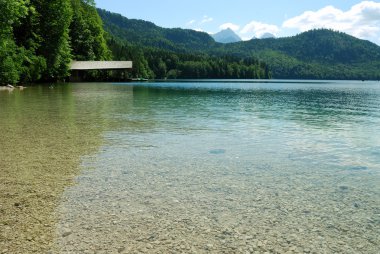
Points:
[(228, 167)]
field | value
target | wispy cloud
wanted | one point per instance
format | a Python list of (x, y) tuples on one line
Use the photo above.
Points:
[(199, 30), (258, 29), (231, 26), (362, 20), (191, 22), (199, 23), (206, 19)]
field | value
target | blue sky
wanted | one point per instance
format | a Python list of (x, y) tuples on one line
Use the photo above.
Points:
[(252, 18)]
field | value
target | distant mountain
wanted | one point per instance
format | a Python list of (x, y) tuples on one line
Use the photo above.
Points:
[(316, 54), (267, 36), (226, 36)]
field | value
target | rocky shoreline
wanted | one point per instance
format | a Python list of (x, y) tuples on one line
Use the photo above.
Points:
[(10, 88)]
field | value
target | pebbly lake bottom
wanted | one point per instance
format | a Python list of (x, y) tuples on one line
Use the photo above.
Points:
[(174, 199), (195, 167), (280, 168)]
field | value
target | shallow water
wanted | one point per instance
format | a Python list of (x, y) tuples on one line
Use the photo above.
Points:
[(43, 136), (228, 167), (202, 167)]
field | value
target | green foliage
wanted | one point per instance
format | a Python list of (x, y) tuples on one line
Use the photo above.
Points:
[(11, 12), (54, 22), (86, 32), (10, 61), (10, 54), (126, 52), (39, 38)]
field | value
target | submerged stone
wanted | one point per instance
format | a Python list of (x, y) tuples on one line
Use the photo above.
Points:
[(358, 168), (66, 232), (217, 151), (343, 188)]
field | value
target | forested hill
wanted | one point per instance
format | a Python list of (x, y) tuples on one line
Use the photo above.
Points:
[(321, 45), (174, 53), (316, 54), (148, 34)]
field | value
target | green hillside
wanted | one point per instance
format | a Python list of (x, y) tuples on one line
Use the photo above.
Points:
[(316, 54), (174, 53), (148, 34)]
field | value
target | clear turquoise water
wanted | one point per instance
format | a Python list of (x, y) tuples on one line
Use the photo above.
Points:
[(229, 167), (232, 167)]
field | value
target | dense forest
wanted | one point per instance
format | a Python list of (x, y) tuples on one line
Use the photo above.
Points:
[(316, 54), (151, 62), (39, 38)]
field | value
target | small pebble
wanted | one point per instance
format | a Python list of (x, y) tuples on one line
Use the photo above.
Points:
[(66, 232), (209, 246)]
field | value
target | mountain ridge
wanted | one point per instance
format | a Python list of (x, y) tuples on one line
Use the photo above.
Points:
[(149, 34), (315, 54)]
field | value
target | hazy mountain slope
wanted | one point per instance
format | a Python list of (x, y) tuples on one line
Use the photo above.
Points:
[(226, 36), (267, 36)]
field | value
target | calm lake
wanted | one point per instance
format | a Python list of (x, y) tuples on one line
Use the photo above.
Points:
[(213, 167)]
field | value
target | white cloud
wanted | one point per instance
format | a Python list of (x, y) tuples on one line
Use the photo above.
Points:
[(258, 29), (206, 19), (362, 20), (198, 29), (231, 26), (191, 22)]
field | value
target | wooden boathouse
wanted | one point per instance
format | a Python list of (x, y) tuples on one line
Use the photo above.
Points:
[(79, 68)]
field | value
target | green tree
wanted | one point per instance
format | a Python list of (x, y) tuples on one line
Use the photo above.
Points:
[(86, 32), (54, 23), (11, 56)]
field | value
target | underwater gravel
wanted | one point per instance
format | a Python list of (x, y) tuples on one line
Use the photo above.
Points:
[(163, 199)]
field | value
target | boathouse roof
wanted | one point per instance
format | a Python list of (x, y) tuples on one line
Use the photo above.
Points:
[(100, 65)]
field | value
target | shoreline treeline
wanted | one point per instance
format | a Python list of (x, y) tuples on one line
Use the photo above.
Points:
[(39, 39)]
